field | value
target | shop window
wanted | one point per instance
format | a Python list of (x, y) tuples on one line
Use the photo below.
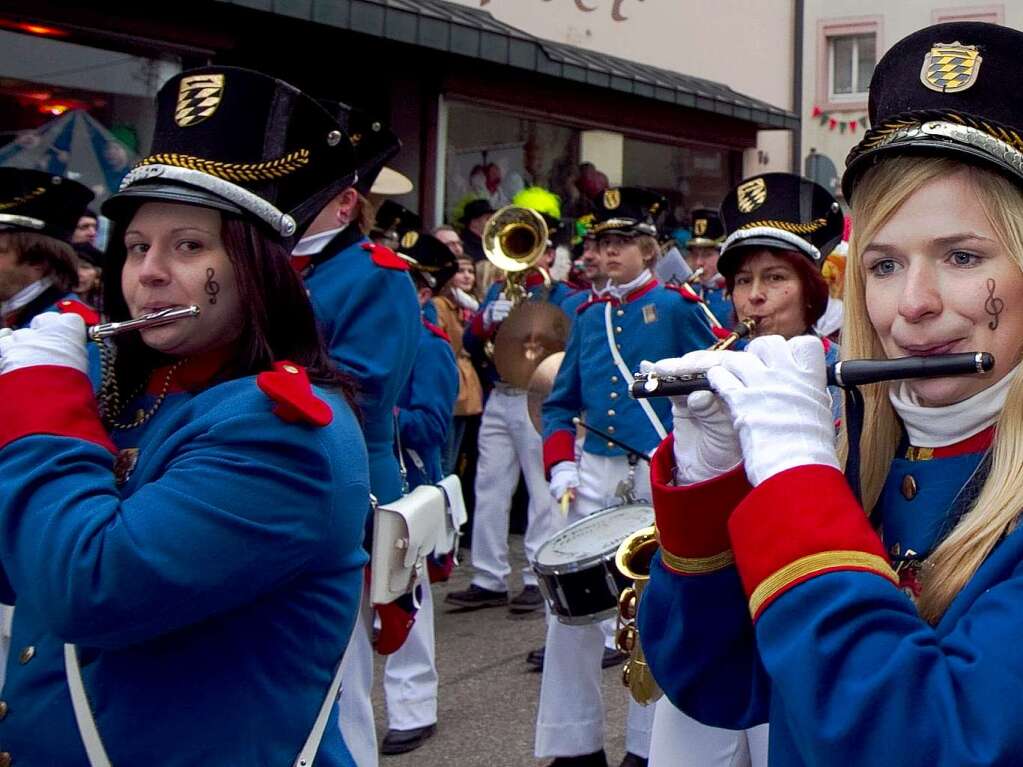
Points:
[(847, 54), (77, 110)]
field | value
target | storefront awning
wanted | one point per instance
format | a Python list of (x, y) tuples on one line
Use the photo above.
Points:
[(456, 29)]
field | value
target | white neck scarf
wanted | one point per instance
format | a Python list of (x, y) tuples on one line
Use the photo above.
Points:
[(949, 424), (25, 296), (620, 291), (314, 243)]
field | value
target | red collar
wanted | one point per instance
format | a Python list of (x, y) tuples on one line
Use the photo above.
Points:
[(641, 291), (193, 374), (978, 443)]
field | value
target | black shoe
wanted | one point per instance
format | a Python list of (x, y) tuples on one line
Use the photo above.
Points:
[(631, 760), (476, 597), (612, 658), (535, 659), (403, 741), (527, 600), (596, 759)]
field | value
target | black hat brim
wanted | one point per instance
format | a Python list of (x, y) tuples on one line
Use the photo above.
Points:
[(121, 206), (728, 262), (934, 146)]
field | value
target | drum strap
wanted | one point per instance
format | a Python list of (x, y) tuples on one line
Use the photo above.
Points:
[(627, 374)]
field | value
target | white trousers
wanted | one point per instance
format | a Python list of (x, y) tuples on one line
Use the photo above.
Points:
[(410, 674), (570, 721), (680, 741), (355, 705), (507, 442)]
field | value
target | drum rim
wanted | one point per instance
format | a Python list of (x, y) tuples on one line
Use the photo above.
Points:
[(579, 564)]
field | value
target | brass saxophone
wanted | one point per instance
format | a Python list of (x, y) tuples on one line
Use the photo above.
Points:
[(633, 560)]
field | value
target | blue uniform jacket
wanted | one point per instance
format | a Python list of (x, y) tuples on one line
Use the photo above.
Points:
[(211, 593), (718, 302), (476, 336), (835, 657), (426, 406), (53, 299), (652, 323), (369, 316)]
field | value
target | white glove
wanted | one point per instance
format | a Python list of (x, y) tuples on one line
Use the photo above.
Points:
[(706, 444), (496, 312), (564, 477), (50, 339), (776, 392), (465, 300)]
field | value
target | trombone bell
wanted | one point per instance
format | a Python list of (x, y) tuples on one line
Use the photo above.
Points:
[(515, 238)]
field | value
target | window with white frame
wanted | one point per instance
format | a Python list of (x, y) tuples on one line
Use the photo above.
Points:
[(851, 60)]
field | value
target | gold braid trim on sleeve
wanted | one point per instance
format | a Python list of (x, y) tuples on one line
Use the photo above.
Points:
[(781, 579)]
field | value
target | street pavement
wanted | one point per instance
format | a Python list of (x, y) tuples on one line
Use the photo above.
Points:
[(488, 696)]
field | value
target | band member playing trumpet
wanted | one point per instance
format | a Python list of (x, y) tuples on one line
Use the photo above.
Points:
[(773, 276), (636, 318), (198, 537), (776, 598), (508, 442), (38, 266)]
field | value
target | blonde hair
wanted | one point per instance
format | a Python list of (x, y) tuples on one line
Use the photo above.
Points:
[(880, 193)]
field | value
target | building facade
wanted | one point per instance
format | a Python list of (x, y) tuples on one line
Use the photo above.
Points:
[(485, 99), (842, 41)]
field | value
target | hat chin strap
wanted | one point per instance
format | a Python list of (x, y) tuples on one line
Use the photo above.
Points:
[(797, 242), (10, 219), (243, 198), (958, 134)]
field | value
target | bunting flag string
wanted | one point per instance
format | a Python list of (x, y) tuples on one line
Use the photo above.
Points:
[(833, 120)]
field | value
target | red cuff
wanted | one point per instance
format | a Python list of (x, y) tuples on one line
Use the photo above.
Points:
[(49, 399), (558, 447), (692, 521), (476, 326), (797, 525)]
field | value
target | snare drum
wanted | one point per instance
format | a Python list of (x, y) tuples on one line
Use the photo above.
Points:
[(576, 568)]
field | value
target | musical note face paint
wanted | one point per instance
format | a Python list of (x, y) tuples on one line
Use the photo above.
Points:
[(939, 280), (176, 257)]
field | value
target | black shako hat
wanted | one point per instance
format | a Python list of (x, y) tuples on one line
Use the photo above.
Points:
[(394, 221), (708, 231), (627, 210), (374, 144), (39, 202), (430, 257), (946, 90), (243, 142), (780, 210)]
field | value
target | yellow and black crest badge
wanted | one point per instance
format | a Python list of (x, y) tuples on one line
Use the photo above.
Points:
[(410, 239), (699, 227), (612, 199), (950, 67), (751, 195), (198, 98)]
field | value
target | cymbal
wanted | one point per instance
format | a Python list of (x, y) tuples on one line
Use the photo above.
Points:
[(532, 331), (540, 385)]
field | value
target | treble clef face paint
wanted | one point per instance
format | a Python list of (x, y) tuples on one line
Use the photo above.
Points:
[(175, 256), (938, 280)]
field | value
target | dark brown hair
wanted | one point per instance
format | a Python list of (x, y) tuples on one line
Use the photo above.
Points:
[(279, 323), (815, 289), (56, 256)]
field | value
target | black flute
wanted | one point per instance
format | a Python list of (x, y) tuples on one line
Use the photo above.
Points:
[(846, 373)]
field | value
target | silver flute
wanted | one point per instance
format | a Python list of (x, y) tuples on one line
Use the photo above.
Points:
[(152, 320)]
